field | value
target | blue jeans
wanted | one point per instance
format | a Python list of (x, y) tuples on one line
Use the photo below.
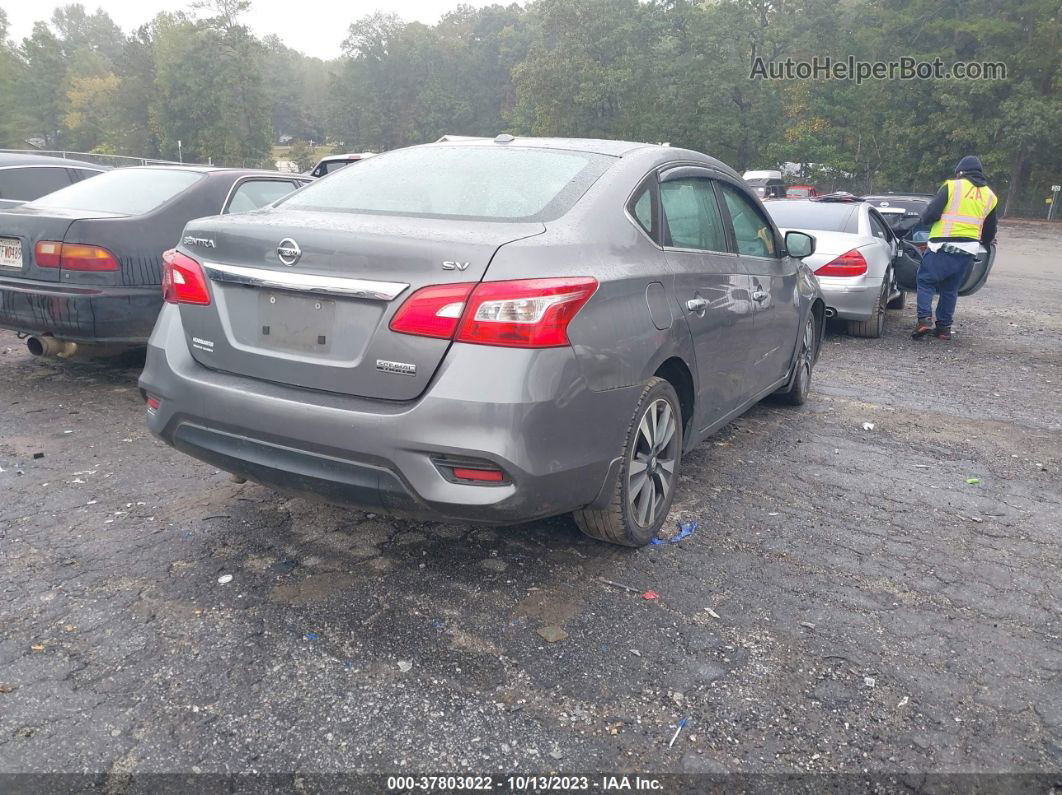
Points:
[(941, 273)]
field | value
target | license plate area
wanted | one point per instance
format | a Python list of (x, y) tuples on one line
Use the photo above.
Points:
[(10, 253), (295, 323)]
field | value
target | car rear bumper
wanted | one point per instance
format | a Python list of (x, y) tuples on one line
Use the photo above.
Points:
[(850, 301), (528, 412), (111, 315)]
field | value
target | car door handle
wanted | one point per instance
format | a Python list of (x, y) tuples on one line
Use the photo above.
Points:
[(759, 295), (697, 305)]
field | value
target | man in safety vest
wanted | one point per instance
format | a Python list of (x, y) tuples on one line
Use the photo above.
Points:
[(963, 215)]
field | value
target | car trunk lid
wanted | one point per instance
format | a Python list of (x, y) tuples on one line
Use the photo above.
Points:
[(20, 231), (321, 322)]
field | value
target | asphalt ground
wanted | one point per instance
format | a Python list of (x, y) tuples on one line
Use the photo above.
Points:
[(879, 601)]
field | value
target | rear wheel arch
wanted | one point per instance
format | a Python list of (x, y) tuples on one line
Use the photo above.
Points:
[(675, 371), (818, 308)]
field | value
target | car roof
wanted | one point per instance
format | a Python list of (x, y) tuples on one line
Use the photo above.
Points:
[(595, 145), (213, 170), (888, 196), (346, 156), (18, 159)]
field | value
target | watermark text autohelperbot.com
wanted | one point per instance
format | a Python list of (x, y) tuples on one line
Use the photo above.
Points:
[(903, 68)]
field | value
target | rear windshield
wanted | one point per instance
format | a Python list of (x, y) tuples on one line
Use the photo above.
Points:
[(884, 203), (824, 216), (473, 182), (128, 191)]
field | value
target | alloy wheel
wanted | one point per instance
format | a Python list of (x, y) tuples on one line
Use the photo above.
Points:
[(651, 470)]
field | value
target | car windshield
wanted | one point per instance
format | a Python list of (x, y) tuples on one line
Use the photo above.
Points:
[(474, 182), (127, 191), (824, 216)]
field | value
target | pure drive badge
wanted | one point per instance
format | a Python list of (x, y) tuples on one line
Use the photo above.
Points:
[(399, 368)]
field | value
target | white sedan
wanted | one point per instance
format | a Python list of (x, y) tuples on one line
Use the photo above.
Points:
[(854, 257)]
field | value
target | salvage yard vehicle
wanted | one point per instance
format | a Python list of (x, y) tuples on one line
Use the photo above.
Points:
[(485, 331), (83, 266), (332, 163), (766, 184), (902, 211), (854, 258), (25, 177), (801, 192)]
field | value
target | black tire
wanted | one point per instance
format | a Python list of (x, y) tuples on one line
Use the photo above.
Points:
[(797, 394), (632, 521), (874, 327)]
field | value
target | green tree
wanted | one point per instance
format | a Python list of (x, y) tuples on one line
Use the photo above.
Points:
[(209, 92), (302, 155), (41, 86)]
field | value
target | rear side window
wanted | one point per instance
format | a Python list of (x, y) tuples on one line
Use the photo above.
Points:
[(128, 191), (752, 231), (29, 183), (643, 207), (691, 212), (492, 183), (255, 193)]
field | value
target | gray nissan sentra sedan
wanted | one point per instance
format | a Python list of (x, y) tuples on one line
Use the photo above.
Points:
[(486, 331)]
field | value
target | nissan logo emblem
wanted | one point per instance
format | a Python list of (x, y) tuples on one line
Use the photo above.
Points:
[(288, 251)]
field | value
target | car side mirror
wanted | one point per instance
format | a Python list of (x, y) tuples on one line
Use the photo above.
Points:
[(799, 244)]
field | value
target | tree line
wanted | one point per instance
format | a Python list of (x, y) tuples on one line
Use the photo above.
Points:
[(656, 70)]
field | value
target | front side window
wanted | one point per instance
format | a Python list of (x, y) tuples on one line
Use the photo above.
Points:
[(691, 215), (752, 230), (125, 191), (489, 183), (27, 184)]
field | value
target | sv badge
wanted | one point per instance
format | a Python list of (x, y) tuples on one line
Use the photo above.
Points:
[(455, 266)]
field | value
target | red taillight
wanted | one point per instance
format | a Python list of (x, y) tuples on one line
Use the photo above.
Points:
[(183, 281), (153, 403), (432, 311), (79, 257), (480, 475), (73, 256), (48, 253), (851, 263), (526, 313)]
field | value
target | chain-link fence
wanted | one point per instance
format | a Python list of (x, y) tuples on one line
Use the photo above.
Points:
[(114, 161)]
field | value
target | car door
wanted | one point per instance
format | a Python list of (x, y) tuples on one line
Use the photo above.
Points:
[(711, 286), (774, 277), (251, 193)]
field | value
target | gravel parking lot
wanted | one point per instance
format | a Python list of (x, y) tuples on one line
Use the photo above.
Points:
[(852, 600)]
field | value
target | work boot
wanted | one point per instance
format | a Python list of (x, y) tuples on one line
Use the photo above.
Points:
[(925, 326), (942, 333)]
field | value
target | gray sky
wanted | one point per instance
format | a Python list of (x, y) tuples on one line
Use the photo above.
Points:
[(316, 27)]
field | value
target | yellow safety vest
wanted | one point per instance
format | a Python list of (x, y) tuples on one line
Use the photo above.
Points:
[(965, 213)]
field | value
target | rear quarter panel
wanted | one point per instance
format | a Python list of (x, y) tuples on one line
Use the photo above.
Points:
[(614, 336), (139, 241)]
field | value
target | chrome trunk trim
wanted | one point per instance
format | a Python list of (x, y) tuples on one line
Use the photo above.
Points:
[(304, 282)]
